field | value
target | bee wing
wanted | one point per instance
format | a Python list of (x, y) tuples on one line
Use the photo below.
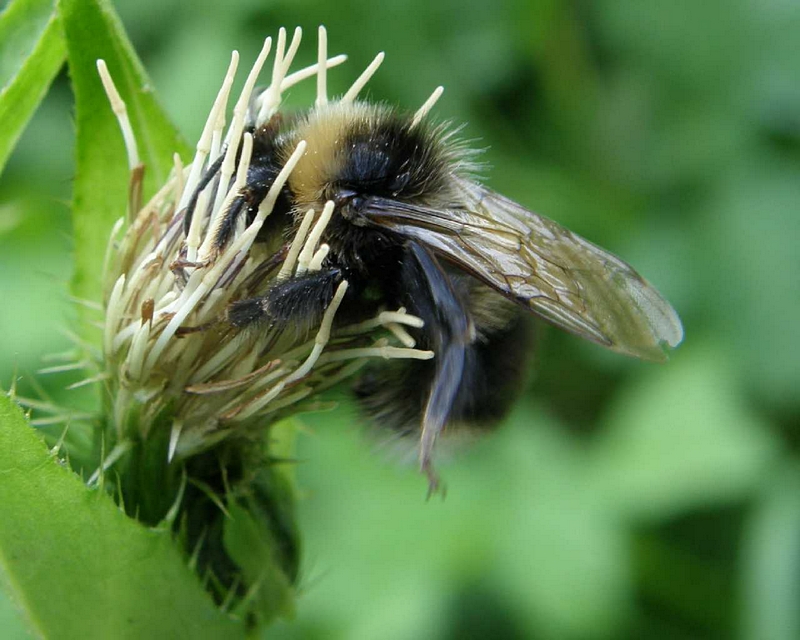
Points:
[(555, 273)]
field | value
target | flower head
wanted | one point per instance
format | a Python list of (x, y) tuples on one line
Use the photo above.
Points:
[(175, 359)]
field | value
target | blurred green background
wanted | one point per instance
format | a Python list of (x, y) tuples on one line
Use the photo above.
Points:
[(622, 499)]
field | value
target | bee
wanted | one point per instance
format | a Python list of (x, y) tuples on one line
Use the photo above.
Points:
[(412, 227)]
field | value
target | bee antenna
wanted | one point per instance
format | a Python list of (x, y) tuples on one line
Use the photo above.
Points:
[(427, 106), (365, 77)]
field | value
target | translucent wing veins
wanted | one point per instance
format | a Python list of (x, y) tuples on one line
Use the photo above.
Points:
[(555, 273)]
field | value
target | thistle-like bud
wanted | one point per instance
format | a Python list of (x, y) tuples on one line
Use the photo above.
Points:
[(192, 394), (168, 344)]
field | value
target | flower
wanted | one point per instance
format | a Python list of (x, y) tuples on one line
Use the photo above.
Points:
[(171, 356), (193, 399)]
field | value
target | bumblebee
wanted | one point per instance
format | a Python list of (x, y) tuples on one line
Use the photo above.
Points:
[(412, 227)]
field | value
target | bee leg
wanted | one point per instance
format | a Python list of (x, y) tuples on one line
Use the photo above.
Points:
[(444, 388), (450, 330), (207, 177), (226, 228), (296, 303), (248, 200), (494, 374)]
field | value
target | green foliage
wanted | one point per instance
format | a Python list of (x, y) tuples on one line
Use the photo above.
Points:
[(771, 560), (100, 192), (75, 563), (642, 459), (621, 500), (31, 53), (77, 566)]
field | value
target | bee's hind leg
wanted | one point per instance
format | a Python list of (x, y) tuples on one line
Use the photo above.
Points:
[(449, 330)]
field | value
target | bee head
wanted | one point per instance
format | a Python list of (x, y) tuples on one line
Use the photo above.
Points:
[(358, 152)]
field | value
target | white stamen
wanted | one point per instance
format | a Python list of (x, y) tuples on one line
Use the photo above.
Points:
[(165, 299), (274, 191), (277, 64), (203, 146), (292, 51), (322, 73), (217, 361), (307, 72), (381, 320), (241, 180), (259, 402), (402, 335), (362, 80), (385, 352), (121, 112), (209, 141), (321, 339), (270, 99), (427, 106), (174, 324), (135, 359), (297, 244), (235, 131), (289, 400), (319, 258), (122, 336), (201, 283), (323, 335), (310, 247), (221, 386)]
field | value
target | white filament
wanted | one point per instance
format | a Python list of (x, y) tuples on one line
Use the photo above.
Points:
[(121, 112), (362, 80), (427, 106)]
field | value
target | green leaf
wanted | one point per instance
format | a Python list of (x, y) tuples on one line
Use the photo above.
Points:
[(253, 547), (771, 561), (93, 31), (31, 53), (521, 520), (261, 534), (77, 566), (681, 437)]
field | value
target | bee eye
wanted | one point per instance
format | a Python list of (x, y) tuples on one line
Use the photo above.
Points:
[(351, 209), (350, 203)]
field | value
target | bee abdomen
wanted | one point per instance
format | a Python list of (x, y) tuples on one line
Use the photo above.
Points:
[(394, 396)]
